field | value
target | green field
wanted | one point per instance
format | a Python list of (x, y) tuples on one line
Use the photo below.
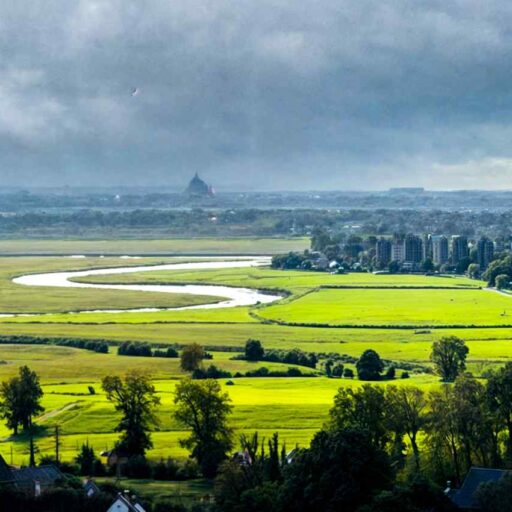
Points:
[(170, 246), (19, 299), (295, 407), (397, 307)]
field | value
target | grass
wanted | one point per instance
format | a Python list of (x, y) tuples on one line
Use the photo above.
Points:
[(395, 307), (182, 492), (15, 298), (170, 246), (294, 407), (292, 280)]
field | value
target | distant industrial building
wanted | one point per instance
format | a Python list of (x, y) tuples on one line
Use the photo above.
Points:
[(440, 250), (460, 249), (484, 252)]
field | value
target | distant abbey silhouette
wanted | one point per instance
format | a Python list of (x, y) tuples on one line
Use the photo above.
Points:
[(197, 187)]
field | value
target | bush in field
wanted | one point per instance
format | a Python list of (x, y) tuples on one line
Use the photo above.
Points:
[(212, 372), (502, 282), (369, 366), (138, 349), (170, 352), (348, 373), (254, 350), (191, 357), (337, 370)]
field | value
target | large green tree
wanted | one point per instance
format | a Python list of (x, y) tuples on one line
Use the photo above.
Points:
[(369, 366), (449, 357), (135, 397), (499, 395), (407, 414), (20, 399), (501, 266), (191, 357), (341, 470), (362, 408), (203, 408), (254, 351)]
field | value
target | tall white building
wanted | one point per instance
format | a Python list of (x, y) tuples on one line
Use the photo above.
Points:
[(440, 252), (398, 250)]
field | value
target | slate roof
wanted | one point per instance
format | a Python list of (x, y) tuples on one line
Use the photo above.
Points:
[(5, 471), (463, 497), (24, 478), (90, 488), (123, 500)]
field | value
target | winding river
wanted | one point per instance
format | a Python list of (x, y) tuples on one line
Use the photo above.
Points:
[(234, 296)]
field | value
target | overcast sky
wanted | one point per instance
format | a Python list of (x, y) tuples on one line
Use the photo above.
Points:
[(257, 94)]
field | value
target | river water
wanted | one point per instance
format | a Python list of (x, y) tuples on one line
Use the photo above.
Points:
[(234, 296)]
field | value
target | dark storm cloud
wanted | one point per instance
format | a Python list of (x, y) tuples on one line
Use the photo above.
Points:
[(257, 93)]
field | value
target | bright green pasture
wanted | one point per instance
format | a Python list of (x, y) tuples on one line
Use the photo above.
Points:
[(395, 307), (170, 246), (493, 344), (293, 280), (65, 364), (224, 315), (15, 298), (296, 408)]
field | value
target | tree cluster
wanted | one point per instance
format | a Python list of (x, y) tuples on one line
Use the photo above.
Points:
[(254, 351), (141, 349)]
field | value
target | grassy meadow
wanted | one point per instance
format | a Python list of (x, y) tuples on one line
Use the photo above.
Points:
[(406, 314), (169, 246)]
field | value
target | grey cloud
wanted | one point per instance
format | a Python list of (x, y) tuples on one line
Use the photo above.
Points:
[(256, 93)]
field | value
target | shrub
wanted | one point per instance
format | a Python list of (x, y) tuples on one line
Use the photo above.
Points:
[(405, 375), (390, 374), (348, 373), (502, 281), (138, 467), (212, 372), (369, 366), (337, 370), (191, 357), (135, 348), (165, 469), (254, 350), (260, 372), (167, 505), (91, 390)]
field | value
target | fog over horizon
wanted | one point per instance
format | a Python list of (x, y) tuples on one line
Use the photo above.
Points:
[(257, 95)]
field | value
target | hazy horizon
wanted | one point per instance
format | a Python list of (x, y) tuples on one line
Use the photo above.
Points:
[(257, 95)]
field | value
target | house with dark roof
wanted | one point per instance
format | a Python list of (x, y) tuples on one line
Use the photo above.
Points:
[(464, 498), (32, 480), (126, 503), (90, 488)]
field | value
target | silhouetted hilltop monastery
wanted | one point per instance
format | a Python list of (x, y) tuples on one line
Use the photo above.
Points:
[(197, 187)]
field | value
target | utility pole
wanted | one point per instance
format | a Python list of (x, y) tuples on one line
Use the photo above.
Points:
[(32, 462), (57, 443)]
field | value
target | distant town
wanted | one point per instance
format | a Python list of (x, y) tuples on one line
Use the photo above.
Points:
[(427, 253)]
